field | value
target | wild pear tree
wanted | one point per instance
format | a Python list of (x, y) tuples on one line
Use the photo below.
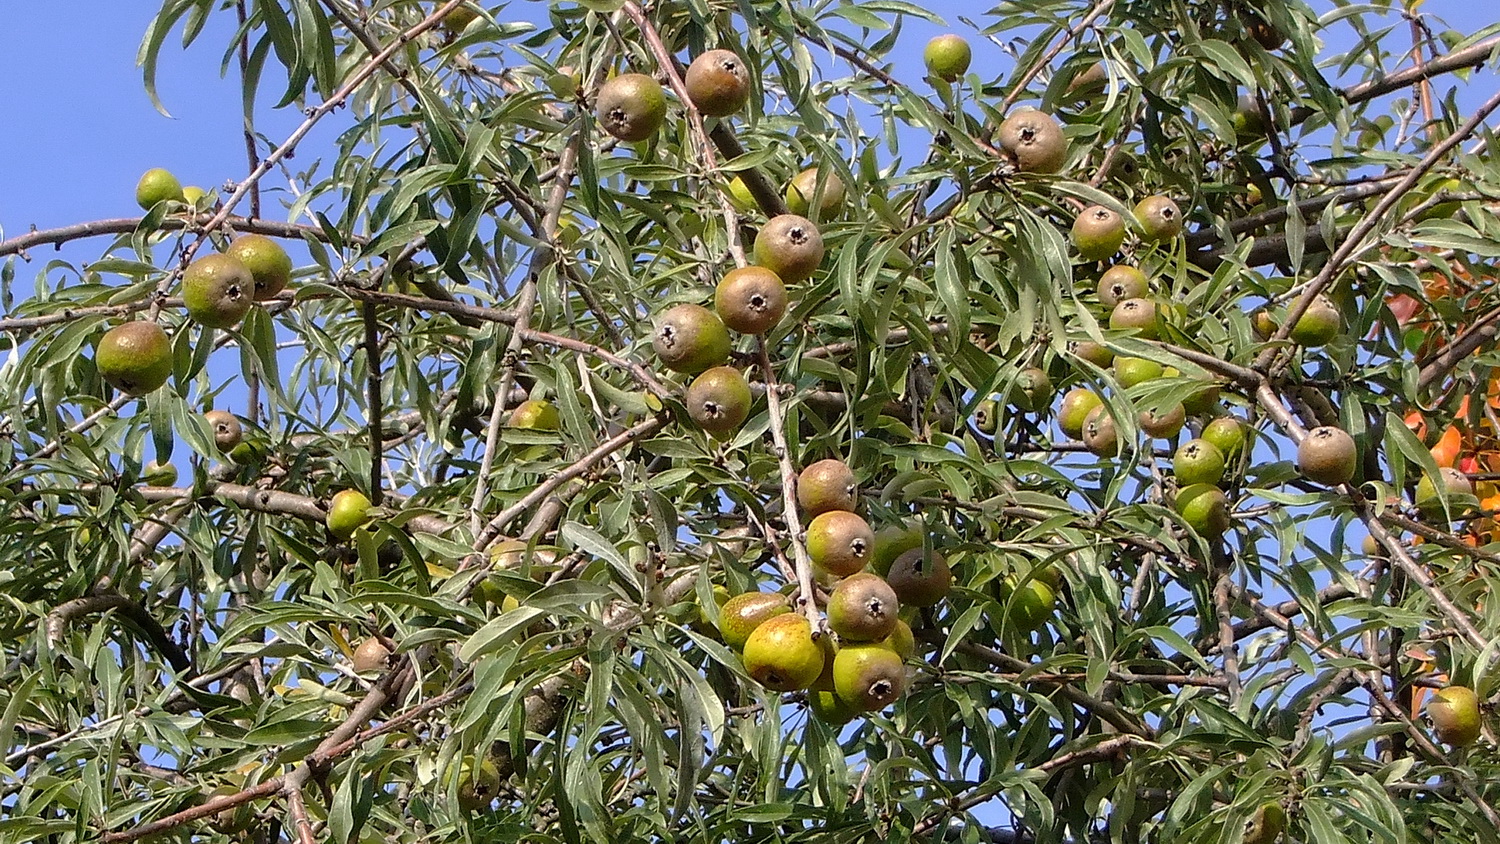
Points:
[(701, 421)]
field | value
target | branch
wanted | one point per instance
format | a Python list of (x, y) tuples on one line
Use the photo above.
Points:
[(126, 225), (1354, 241), (807, 595), (58, 620), (491, 531)]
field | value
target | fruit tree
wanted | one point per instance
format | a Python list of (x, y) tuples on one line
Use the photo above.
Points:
[(770, 421)]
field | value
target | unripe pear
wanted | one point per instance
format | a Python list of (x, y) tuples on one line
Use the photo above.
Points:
[(1455, 715), (1075, 409), (840, 542), (269, 265), (535, 415), (217, 291), (782, 655), (1097, 233), (719, 400), (741, 614), (690, 339), (947, 56), (632, 106), (157, 185), (135, 358), (347, 512), (868, 677)]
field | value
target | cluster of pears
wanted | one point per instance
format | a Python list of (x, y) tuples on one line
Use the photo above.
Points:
[(863, 671), (633, 106), (690, 338), (695, 340), (1034, 142), (159, 185), (217, 291)]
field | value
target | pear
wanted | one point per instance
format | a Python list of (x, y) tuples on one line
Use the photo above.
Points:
[(827, 485), (869, 677), (718, 83), (741, 614), (217, 291), (863, 608), (789, 246), (347, 512), (227, 429), (920, 577), (1455, 715), (632, 106), (371, 655), (690, 339), (840, 542), (269, 265), (135, 358), (1097, 233), (782, 655), (719, 400), (1034, 140)]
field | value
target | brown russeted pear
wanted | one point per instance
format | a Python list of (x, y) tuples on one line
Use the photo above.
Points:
[(1035, 140), (862, 608), (750, 300), (1327, 455), (789, 246), (1138, 314), (226, 428), (826, 485), (1097, 233), (920, 577), (1100, 435), (718, 83), (1158, 218)]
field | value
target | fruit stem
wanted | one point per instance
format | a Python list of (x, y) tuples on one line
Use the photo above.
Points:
[(806, 591)]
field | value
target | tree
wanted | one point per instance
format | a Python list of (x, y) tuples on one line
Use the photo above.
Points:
[(513, 634)]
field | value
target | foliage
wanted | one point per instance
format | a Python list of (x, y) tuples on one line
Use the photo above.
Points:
[(473, 238)]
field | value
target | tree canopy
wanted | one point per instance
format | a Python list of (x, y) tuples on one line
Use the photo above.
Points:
[(1144, 352)]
